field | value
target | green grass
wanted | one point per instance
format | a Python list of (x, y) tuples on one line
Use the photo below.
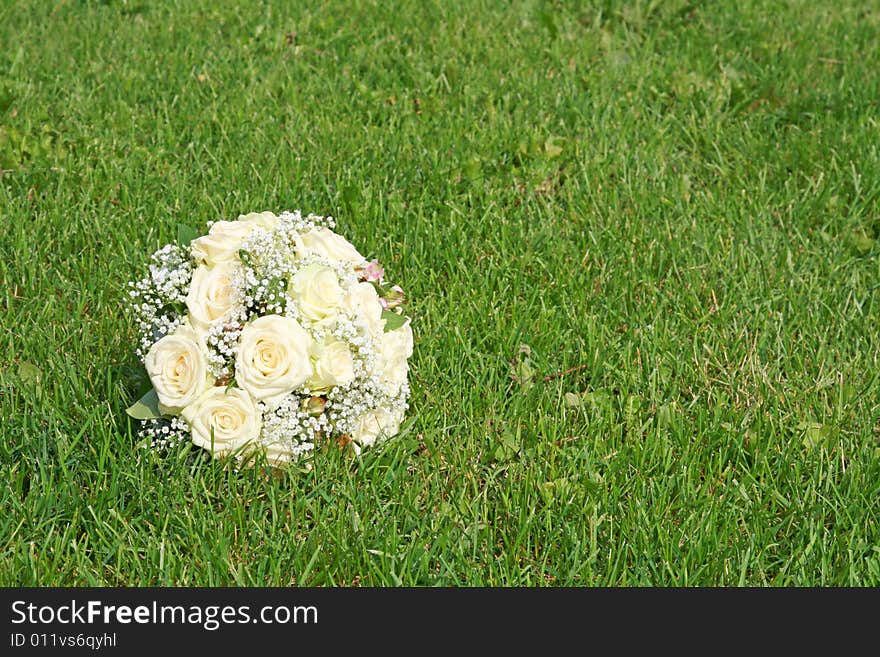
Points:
[(674, 205)]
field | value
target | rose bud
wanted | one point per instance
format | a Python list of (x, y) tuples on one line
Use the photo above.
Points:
[(314, 406)]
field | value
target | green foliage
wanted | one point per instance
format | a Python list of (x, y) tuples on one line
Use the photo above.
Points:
[(145, 408), (186, 234), (393, 320)]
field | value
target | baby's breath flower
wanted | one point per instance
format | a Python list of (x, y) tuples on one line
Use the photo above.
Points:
[(159, 299), (160, 434)]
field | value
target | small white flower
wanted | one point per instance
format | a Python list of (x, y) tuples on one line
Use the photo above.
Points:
[(273, 358)]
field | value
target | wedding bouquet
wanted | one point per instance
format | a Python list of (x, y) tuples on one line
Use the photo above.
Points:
[(271, 334)]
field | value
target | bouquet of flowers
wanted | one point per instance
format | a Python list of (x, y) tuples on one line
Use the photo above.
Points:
[(271, 334)]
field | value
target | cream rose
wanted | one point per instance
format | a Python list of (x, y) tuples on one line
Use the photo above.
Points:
[(396, 348), (223, 241), (362, 301), (223, 420), (211, 297), (178, 369), (376, 425), (280, 452), (273, 358), (266, 220), (325, 242), (333, 365), (316, 290)]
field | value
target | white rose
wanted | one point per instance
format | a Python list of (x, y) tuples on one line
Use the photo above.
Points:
[(211, 297), (325, 242), (222, 420), (178, 369), (266, 220), (362, 301), (317, 291), (279, 453), (222, 242), (396, 348), (273, 358), (376, 425), (334, 365)]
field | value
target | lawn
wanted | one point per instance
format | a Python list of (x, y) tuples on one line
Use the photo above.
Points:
[(641, 242)]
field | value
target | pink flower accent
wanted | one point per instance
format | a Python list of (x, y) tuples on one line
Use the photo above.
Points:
[(374, 271), (394, 297)]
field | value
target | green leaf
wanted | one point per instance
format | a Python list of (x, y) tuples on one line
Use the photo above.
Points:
[(572, 400), (816, 434), (862, 242), (524, 374), (509, 445), (392, 320), (631, 408), (351, 197), (473, 169), (552, 149), (554, 489), (186, 234), (506, 450), (666, 415), (546, 19), (29, 373), (521, 369), (599, 400), (145, 408), (6, 99)]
